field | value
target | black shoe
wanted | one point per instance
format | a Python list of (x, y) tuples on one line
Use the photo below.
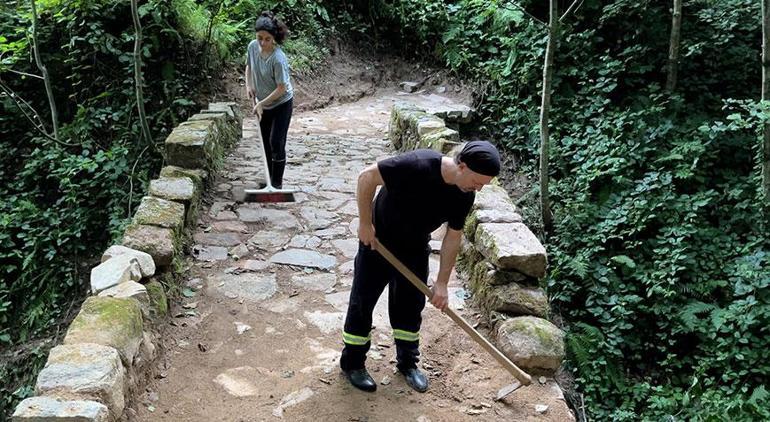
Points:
[(361, 379), (416, 379)]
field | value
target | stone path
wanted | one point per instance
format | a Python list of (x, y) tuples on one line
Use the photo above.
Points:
[(257, 333)]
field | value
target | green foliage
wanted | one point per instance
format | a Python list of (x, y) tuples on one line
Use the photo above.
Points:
[(64, 204), (659, 253)]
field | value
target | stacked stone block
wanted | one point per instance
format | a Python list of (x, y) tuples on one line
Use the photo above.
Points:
[(110, 343), (412, 127), (504, 261)]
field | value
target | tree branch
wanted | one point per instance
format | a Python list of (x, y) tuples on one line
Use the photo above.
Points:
[(44, 72), (131, 181), (570, 9), (25, 74), (766, 97), (37, 125), (673, 51), (138, 76), (545, 108)]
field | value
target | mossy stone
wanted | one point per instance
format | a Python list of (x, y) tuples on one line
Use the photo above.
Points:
[(158, 299), (111, 322), (159, 212), (199, 176)]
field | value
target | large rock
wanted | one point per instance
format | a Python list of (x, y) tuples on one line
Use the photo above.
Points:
[(511, 246), (231, 109), (178, 189), (111, 322), (227, 126), (199, 177), (146, 264), (159, 212), (532, 343), (112, 272), (399, 123), (512, 299), (456, 113), (158, 242), (192, 145), (484, 273), (130, 290), (442, 140), (480, 216), (412, 127), (86, 371), (50, 409), (494, 197)]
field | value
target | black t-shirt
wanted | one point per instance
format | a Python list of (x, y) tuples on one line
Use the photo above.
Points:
[(416, 200)]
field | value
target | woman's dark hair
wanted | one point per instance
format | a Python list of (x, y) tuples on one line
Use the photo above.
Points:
[(269, 23)]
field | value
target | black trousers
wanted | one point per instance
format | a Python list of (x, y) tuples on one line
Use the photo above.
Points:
[(371, 274), (274, 126)]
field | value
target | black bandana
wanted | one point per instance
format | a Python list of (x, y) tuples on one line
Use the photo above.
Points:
[(481, 157)]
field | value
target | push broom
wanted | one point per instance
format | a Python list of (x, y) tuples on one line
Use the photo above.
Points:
[(522, 377), (267, 193)]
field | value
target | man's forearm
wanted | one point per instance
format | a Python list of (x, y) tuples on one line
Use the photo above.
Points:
[(449, 249), (364, 196)]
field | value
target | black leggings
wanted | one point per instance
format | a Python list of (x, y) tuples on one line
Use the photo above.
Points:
[(274, 126)]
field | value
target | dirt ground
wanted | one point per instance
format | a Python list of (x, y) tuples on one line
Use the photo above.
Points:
[(349, 74), (255, 340)]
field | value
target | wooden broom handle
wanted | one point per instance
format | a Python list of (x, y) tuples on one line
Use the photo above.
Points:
[(520, 375)]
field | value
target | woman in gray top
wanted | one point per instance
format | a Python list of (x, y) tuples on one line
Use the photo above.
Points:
[(268, 86)]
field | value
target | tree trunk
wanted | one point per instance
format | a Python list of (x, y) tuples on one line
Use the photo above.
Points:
[(208, 34), (44, 72), (545, 108), (765, 94), (138, 76), (673, 52)]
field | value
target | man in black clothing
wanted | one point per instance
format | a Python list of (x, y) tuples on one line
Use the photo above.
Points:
[(420, 191)]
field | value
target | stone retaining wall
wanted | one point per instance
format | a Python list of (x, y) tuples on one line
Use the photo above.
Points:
[(501, 257), (412, 128), (108, 348)]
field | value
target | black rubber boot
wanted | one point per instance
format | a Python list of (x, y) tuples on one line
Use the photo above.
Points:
[(277, 174), (361, 379), (416, 379)]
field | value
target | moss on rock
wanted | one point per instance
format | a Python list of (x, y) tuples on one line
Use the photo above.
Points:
[(158, 298), (111, 322), (159, 212), (199, 177), (160, 242)]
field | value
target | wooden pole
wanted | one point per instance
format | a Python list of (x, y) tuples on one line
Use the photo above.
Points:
[(520, 375)]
